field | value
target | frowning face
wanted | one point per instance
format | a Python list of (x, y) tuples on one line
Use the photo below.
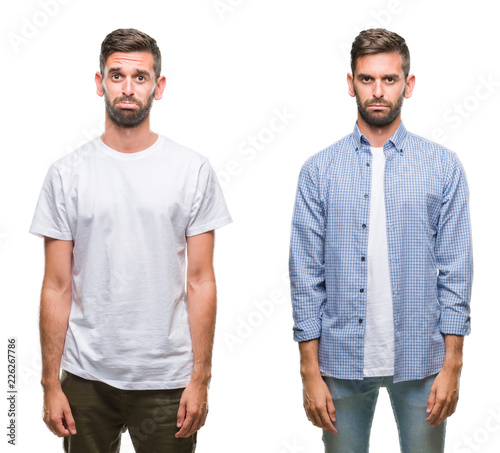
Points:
[(129, 87), (380, 87)]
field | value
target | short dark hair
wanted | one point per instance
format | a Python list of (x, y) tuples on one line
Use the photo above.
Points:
[(129, 40), (380, 40)]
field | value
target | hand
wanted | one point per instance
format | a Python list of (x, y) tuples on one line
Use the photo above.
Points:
[(57, 413), (193, 409), (318, 404), (443, 398)]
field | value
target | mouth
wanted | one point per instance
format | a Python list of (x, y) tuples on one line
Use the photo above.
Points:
[(378, 106), (127, 105)]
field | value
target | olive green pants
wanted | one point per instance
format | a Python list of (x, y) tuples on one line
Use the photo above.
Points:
[(102, 413)]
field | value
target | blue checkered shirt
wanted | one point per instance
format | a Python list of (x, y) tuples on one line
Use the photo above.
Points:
[(429, 245)]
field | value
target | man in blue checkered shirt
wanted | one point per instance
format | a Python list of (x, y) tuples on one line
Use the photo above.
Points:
[(381, 266)]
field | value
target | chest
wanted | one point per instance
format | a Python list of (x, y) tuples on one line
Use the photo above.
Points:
[(410, 188), (113, 196)]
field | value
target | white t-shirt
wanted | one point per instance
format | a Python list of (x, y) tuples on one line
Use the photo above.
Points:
[(379, 329), (129, 215)]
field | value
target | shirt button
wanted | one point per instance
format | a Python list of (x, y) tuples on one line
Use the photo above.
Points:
[(366, 195), (363, 226), (360, 320), (363, 258), (362, 290), (368, 164)]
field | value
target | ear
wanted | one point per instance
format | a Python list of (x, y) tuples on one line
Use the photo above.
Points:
[(350, 85), (410, 84), (98, 84), (160, 87)]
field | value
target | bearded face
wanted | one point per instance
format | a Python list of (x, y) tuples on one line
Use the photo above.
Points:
[(129, 86), (383, 116), (127, 111)]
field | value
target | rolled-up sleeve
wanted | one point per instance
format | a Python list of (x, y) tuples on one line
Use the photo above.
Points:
[(306, 264), (454, 252)]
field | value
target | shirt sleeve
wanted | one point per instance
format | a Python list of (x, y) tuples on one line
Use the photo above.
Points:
[(306, 264), (454, 253), (209, 210), (50, 218)]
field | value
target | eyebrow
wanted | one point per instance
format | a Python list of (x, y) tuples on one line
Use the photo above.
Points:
[(137, 71), (394, 76)]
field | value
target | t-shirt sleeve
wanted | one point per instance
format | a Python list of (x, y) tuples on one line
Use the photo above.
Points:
[(51, 217), (209, 210)]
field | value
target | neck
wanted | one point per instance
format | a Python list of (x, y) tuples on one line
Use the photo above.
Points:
[(377, 136), (128, 139)]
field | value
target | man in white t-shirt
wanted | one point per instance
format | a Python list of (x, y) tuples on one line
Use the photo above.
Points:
[(128, 322), (381, 266)]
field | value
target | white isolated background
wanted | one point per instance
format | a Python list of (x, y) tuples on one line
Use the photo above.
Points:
[(230, 66)]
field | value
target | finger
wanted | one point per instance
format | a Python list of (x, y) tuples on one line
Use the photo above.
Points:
[(59, 428), (206, 415), (326, 423), (440, 414), (55, 423), (312, 417), (69, 421), (181, 414), (444, 413), (203, 418), (319, 416), (431, 400), (198, 425), (46, 420), (198, 417), (436, 409), (48, 425), (440, 418), (331, 413), (186, 426), (331, 409)]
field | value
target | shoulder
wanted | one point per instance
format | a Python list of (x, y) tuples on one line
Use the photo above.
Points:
[(181, 154), (432, 155), (323, 160), (428, 148), (71, 161)]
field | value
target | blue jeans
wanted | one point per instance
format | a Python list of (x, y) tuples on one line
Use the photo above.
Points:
[(355, 401)]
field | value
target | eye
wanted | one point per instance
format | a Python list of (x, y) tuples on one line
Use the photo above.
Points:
[(141, 78), (115, 76), (390, 79)]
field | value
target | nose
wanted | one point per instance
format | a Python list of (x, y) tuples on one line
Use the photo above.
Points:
[(128, 87), (377, 89)]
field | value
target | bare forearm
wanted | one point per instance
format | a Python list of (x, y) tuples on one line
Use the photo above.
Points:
[(201, 300), (54, 315), (454, 352), (309, 362)]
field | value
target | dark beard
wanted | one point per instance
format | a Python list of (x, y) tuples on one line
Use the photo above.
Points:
[(380, 120), (128, 117)]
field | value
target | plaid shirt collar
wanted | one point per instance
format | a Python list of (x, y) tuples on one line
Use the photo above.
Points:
[(397, 140)]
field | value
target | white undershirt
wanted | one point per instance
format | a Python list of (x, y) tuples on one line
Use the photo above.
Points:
[(379, 333)]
